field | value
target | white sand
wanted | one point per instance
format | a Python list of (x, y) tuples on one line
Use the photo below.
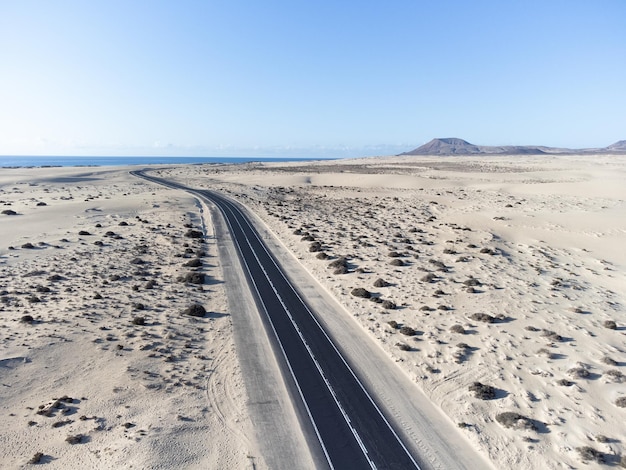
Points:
[(544, 239), (543, 236), (166, 394)]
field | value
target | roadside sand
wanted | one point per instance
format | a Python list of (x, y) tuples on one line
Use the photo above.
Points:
[(506, 271), (99, 367)]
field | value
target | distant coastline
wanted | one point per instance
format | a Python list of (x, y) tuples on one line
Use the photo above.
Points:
[(10, 161)]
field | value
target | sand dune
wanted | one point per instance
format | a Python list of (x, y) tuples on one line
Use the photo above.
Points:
[(99, 365), (508, 272), (496, 284)]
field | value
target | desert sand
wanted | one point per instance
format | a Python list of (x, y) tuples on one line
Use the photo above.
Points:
[(496, 284), (100, 366)]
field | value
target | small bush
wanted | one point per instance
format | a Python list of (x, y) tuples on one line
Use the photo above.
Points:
[(139, 321), (193, 234), (84, 233), (408, 331), (482, 391), (77, 439), (589, 453), (195, 310), (380, 283), (361, 292), (393, 324), (616, 375), (610, 324), (430, 277), (396, 262), (510, 419), (194, 278), (315, 247), (394, 254), (483, 317), (609, 361), (322, 256), (35, 459), (9, 212), (341, 261), (565, 383), (388, 304), (552, 335), (403, 346), (193, 263), (341, 270), (621, 402), (457, 329), (578, 372), (472, 282)]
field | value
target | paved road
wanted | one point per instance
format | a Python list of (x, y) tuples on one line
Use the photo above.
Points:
[(351, 428)]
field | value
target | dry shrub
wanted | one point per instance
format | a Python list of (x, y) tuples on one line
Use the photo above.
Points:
[(610, 324), (341, 261), (552, 335), (361, 292), (510, 419), (396, 262), (482, 391), (193, 234), (388, 304), (578, 372), (483, 317), (194, 278), (380, 283), (616, 375), (587, 453), (195, 310), (621, 402), (315, 247), (408, 331), (193, 263), (457, 329), (76, 439), (341, 270)]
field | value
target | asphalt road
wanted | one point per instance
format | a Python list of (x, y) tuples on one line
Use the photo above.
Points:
[(350, 427)]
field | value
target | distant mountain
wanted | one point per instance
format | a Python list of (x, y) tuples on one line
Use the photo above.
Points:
[(620, 146), (455, 146)]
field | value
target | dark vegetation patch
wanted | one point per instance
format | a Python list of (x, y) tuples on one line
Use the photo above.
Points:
[(482, 391), (195, 310)]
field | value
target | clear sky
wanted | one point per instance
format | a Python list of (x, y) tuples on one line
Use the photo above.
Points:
[(316, 78)]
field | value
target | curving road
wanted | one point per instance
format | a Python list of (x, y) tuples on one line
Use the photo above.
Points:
[(352, 430)]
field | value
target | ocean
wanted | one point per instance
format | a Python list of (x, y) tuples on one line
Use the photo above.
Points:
[(46, 161)]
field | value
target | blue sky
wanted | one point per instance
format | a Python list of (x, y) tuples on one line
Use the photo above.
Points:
[(293, 78)]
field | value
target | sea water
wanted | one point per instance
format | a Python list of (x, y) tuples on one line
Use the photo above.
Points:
[(47, 161)]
